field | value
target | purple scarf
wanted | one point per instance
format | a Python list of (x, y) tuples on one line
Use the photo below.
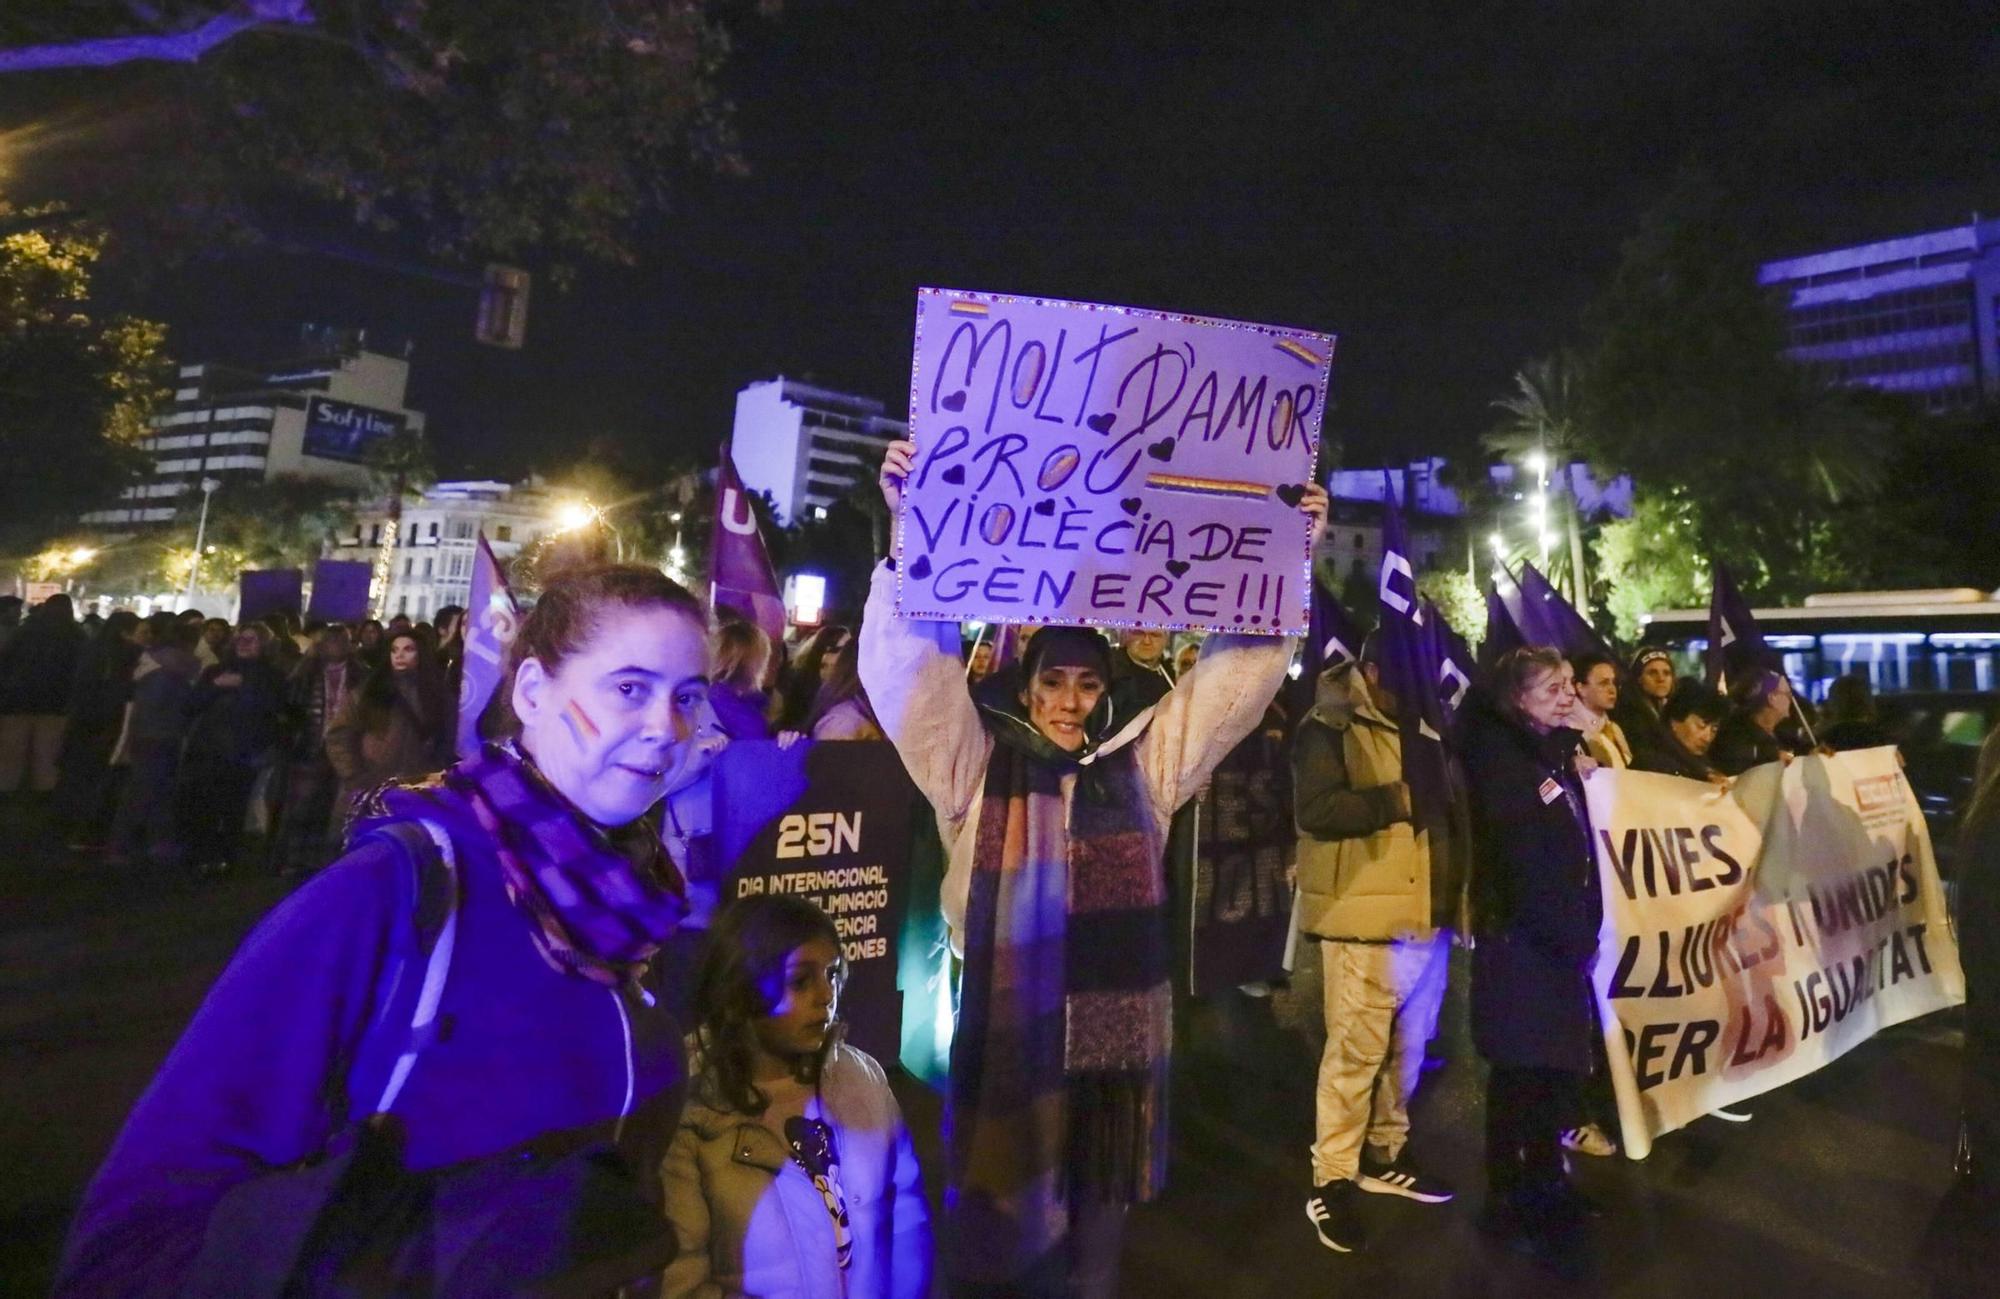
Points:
[(602, 901)]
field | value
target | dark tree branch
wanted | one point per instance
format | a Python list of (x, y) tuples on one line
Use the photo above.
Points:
[(178, 47)]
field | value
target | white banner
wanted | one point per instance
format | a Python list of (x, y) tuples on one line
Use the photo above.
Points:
[(1755, 933)]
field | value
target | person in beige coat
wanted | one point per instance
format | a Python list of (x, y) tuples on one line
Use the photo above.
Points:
[(1381, 895), (1596, 696), (792, 1174)]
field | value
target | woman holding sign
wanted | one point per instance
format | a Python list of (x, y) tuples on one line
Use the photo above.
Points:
[(1056, 814)]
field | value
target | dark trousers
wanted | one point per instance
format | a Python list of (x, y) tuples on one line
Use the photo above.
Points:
[(214, 799), (144, 825), (1526, 1112)]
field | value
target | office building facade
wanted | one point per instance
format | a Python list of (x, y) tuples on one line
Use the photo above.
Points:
[(807, 446), (1918, 315), (316, 415), (431, 566)]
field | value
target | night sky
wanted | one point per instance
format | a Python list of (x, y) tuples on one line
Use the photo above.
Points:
[(1443, 185)]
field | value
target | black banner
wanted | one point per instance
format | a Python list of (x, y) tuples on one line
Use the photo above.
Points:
[(830, 822)]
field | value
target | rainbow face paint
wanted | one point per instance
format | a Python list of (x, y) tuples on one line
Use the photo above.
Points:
[(581, 727)]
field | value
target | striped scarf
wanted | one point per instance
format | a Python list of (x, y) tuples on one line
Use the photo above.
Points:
[(601, 902), (1058, 1072)]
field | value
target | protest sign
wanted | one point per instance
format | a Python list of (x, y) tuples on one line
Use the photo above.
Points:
[(1107, 465), (1244, 841), (1754, 934), (829, 821), (264, 591), (340, 591)]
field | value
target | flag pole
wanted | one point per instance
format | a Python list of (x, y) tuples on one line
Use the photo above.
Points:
[(977, 641)]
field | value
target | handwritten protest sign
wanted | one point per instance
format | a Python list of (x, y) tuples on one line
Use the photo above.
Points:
[(1107, 465)]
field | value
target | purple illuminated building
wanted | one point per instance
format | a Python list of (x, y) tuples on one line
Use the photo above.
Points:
[(1919, 315)]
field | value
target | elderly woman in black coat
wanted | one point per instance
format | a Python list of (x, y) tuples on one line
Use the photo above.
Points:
[(1537, 913)]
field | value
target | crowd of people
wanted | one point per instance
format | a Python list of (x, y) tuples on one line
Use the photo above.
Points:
[(178, 741), (762, 1154)]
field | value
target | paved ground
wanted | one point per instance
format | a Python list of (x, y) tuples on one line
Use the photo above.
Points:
[(1827, 1193)]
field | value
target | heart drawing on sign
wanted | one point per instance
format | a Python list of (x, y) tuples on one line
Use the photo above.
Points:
[(1102, 423), (1292, 493), (1161, 450), (954, 402), (954, 475), (1178, 567), (1045, 507), (1130, 505), (920, 567)]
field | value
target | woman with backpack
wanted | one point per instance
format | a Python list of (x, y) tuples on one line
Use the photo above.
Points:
[(537, 870), (793, 1175)]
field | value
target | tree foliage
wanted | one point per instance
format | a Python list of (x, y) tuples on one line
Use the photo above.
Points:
[(1651, 561), (75, 386), (1690, 392), (1546, 416), (482, 128), (1457, 597)]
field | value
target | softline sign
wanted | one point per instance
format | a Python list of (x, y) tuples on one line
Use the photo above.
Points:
[(1108, 465), (1754, 935), (339, 430)]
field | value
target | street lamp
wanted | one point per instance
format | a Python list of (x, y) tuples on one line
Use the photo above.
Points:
[(208, 486)]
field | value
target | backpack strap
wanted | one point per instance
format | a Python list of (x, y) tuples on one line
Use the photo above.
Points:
[(432, 893)]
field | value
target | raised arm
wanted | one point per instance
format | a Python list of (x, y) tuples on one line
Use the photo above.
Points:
[(916, 682), (1219, 701)]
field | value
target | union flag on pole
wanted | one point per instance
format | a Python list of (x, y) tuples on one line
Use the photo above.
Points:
[(1735, 646), (491, 619), (740, 574), (1410, 671)]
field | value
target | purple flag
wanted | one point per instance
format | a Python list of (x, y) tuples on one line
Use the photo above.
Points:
[(1451, 660), (1331, 638), (1502, 632), (267, 591), (1735, 646), (1568, 630), (491, 619), (340, 590), (739, 569), (1409, 671)]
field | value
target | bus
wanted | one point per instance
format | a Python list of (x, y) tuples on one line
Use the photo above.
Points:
[(1929, 654)]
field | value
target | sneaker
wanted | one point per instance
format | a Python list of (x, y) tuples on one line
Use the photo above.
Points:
[(1400, 1177), (1589, 1140), (1731, 1116), (1336, 1216)]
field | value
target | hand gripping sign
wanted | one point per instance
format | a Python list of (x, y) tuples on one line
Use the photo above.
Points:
[(1107, 465)]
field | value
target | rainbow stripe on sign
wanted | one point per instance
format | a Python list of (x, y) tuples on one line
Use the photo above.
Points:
[(961, 307), (1301, 351), (1207, 486)]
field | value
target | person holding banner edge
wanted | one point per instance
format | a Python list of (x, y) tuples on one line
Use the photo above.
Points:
[(1056, 814), (1381, 895), (1537, 911)]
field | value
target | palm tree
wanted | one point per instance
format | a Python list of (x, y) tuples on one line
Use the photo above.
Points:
[(398, 464), (1545, 419)]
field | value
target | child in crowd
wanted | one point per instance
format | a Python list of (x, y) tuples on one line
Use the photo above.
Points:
[(792, 1175)]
